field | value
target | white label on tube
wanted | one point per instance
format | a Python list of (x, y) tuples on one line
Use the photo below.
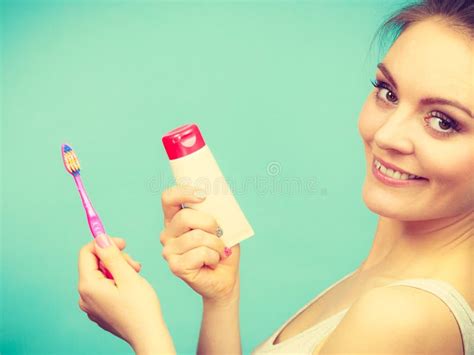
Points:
[(200, 169)]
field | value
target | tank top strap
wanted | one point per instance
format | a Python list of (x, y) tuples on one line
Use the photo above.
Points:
[(454, 300)]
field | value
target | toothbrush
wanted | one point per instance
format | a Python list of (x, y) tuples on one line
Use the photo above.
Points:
[(71, 163)]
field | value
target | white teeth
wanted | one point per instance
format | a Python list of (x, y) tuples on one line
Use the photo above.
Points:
[(397, 175)]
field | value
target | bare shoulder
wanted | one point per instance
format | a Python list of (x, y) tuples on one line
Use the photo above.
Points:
[(395, 320)]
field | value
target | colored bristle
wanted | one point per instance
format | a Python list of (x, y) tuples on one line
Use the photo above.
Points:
[(71, 163)]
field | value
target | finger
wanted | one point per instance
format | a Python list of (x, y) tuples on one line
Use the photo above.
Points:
[(88, 264), (119, 242), (193, 239), (135, 264), (106, 273), (113, 260), (187, 219), (173, 197), (194, 259), (82, 305), (101, 275)]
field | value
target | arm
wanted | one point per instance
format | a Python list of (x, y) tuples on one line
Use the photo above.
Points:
[(158, 343), (220, 327)]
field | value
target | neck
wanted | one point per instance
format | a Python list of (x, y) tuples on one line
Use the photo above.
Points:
[(398, 244)]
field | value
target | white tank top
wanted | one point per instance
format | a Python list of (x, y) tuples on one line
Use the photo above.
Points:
[(306, 341)]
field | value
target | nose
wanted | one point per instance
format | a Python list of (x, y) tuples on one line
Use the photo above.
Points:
[(394, 133)]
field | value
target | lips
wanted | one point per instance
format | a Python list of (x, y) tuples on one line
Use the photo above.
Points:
[(396, 168)]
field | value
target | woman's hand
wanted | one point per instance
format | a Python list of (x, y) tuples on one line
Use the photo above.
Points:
[(194, 252), (126, 306)]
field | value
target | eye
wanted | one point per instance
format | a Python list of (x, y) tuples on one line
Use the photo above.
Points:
[(384, 91), (438, 122), (441, 123)]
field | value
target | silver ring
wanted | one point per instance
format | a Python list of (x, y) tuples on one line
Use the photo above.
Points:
[(219, 232)]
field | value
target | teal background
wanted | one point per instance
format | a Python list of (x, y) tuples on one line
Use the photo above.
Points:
[(269, 83)]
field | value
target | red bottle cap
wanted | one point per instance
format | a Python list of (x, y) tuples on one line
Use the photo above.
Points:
[(183, 141)]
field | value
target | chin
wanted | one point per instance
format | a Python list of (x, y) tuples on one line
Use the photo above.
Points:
[(388, 205)]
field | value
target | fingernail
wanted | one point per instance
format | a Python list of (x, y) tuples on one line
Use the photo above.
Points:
[(219, 232), (103, 241), (227, 251), (200, 194)]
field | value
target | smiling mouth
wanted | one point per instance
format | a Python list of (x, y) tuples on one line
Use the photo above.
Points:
[(395, 174)]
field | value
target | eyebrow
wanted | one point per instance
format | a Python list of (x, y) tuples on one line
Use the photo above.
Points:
[(426, 100)]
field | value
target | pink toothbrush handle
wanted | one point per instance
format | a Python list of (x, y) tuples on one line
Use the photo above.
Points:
[(95, 224)]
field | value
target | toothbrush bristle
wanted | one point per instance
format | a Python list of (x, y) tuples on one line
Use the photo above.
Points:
[(71, 163)]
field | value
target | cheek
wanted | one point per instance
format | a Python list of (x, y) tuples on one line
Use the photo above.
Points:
[(451, 170), (449, 163)]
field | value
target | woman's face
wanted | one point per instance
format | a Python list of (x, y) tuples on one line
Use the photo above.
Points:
[(402, 124)]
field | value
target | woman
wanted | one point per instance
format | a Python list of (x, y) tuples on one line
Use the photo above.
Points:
[(417, 127)]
